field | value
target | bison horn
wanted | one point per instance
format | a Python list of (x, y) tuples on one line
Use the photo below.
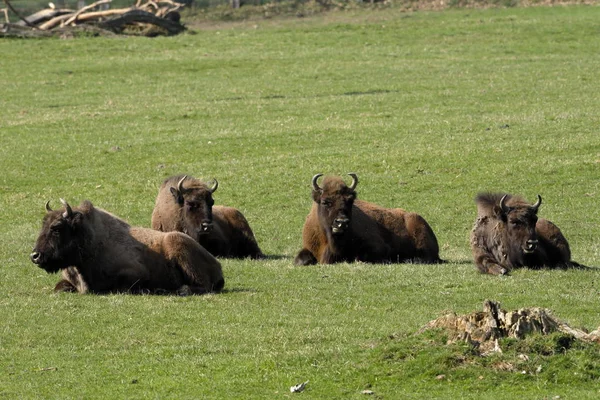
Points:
[(537, 204), (354, 180), (48, 209), (180, 184), (314, 182), (214, 186), (69, 211), (503, 206)]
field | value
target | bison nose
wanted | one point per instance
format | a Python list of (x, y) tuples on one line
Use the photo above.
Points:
[(206, 227), (531, 245), (339, 224), (35, 257)]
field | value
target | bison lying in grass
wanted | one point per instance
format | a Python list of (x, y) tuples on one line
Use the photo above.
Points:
[(508, 234), (99, 252), (340, 228), (185, 204)]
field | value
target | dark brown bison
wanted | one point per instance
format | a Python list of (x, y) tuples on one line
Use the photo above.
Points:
[(185, 204), (99, 252), (508, 234), (340, 228)]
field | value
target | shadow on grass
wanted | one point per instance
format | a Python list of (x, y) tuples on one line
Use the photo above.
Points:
[(238, 290), (279, 96)]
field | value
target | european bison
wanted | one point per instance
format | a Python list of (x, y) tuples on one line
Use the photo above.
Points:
[(185, 204), (99, 252), (508, 234), (340, 228)]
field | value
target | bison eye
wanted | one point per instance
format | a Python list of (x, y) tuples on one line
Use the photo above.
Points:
[(55, 227), (326, 203), (191, 206)]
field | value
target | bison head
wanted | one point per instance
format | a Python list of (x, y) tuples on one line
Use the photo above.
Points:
[(196, 203), (57, 245), (520, 220), (334, 202)]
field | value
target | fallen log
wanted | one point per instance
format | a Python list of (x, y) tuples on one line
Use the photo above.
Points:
[(44, 15), (118, 24)]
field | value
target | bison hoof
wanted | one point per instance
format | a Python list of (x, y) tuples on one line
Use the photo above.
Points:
[(185, 290), (65, 286), (498, 270)]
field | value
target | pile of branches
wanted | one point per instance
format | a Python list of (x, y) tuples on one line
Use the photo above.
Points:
[(146, 17)]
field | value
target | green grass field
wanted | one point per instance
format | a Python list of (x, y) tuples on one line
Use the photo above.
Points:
[(427, 108)]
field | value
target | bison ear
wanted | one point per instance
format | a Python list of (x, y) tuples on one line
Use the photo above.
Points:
[(316, 195), (499, 213), (177, 195), (75, 220)]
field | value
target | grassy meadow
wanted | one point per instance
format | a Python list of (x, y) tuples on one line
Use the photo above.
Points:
[(428, 108)]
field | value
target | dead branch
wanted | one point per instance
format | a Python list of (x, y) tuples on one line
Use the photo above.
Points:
[(17, 14), (84, 9), (83, 17)]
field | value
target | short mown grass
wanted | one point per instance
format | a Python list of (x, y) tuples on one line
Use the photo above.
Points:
[(427, 108)]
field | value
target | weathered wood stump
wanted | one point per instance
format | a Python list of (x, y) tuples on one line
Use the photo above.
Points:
[(482, 329)]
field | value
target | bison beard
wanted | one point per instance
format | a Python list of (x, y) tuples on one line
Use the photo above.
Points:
[(98, 252), (508, 234), (342, 229), (185, 204)]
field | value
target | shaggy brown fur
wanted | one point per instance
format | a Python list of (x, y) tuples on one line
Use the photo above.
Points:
[(187, 206), (98, 252), (507, 234), (340, 228)]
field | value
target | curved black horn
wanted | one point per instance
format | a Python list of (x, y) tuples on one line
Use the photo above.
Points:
[(180, 184), (48, 209), (69, 211), (314, 181), (502, 205), (214, 186), (537, 204), (354, 180)]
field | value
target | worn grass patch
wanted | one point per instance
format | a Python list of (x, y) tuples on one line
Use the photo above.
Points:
[(435, 366)]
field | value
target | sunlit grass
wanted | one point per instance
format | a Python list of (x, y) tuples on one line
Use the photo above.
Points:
[(427, 108)]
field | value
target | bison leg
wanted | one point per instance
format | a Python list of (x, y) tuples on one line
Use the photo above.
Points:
[(199, 268), (305, 257), (254, 250), (64, 286), (72, 281), (187, 290), (487, 264)]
